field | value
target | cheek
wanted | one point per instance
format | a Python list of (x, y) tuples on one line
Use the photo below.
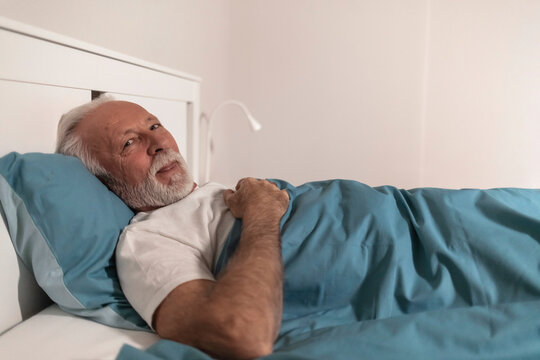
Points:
[(135, 168), (171, 143)]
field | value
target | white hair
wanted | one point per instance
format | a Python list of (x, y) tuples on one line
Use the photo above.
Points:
[(68, 142)]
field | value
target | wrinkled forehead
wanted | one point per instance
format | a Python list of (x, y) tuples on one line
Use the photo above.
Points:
[(116, 112), (110, 119)]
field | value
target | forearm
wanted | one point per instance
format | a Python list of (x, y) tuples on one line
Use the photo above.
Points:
[(239, 314), (252, 283), (242, 310)]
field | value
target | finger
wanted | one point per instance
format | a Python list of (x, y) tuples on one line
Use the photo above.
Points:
[(227, 194), (244, 181), (239, 183)]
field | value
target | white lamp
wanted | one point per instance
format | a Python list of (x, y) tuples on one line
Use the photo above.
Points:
[(255, 126)]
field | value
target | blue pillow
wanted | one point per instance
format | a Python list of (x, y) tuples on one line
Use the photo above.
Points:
[(64, 224)]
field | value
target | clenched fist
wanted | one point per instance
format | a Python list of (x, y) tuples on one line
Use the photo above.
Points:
[(256, 198)]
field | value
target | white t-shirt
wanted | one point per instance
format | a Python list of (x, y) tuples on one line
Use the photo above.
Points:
[(164, 248)]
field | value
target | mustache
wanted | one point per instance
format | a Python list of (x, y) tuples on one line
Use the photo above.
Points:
[(164, 158)]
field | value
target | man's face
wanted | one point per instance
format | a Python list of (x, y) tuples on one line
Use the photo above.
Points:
[(140, 155)]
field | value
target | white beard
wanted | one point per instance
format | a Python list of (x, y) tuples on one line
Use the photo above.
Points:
[(152, 193)]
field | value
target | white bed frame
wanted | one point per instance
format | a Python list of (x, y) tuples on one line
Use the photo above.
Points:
[(42, 75)]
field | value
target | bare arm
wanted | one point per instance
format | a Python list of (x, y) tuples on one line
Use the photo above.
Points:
[(239, 314)]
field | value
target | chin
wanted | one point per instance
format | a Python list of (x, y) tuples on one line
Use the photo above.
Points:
[(151, 194)]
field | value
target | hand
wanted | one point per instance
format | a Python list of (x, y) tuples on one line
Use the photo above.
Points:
[(254, 198)]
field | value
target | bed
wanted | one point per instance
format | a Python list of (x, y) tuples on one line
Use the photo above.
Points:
[(370, 272), (42, 75)]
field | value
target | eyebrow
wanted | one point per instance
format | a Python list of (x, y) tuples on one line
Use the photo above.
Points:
[(148, 119)]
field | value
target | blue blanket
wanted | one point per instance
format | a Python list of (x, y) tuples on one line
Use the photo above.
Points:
[(384, 273)]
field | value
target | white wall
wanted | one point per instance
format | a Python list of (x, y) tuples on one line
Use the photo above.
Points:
[(483, 113), (411, 93), (402, 92), (337, 85)]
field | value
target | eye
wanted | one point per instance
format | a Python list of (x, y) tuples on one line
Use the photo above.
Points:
[(128, 143), (155, 126)]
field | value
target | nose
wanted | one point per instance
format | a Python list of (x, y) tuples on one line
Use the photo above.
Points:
[(156, 145), (154, 149)]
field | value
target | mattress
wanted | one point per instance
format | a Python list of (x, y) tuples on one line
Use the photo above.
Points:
[(54, 334)]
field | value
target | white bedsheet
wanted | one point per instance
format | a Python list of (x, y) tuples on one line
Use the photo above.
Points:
[(54, 334)]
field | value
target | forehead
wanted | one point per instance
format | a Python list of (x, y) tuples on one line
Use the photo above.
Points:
[(117, 113), (111, 120)]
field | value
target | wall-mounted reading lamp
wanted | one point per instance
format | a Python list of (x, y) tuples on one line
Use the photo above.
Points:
[(255, 126)]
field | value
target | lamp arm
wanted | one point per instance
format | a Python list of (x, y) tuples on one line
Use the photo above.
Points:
[(255, 126), (209, 150)]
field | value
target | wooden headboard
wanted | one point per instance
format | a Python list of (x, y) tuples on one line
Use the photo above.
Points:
[(43, 75)]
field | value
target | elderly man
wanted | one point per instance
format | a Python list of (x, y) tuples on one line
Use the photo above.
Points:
[(237, 315), (431, 264)]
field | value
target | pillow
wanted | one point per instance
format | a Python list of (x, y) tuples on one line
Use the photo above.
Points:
[(64, 224)]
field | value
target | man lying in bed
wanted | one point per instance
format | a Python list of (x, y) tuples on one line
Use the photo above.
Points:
[(350, 252), (169, 280)]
